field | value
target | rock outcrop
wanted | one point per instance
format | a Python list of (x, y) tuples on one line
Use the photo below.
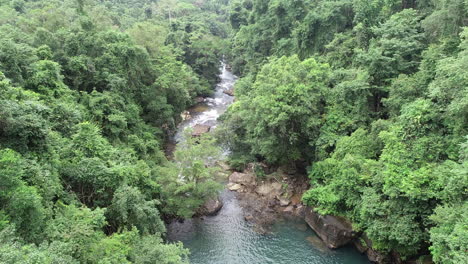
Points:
[(334, 231), (234, 186), (229, 92), (246, 179), (270, 190), (199, 130), (364, 245), (210, 207)]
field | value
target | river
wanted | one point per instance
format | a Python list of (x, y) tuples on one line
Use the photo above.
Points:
[(227, 238)]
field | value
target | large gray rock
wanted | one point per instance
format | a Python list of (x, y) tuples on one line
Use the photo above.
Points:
[(229, 92), (210, 207), (334, 231), (242, 178), (199, 130)]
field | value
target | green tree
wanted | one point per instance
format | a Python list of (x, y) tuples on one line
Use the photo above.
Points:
[(191, 179), (450, 234), (282, 115), (129, 208)]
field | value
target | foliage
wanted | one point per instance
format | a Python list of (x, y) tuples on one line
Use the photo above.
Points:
[(282, 110), (382, 122), (190, 179), (89, 93)]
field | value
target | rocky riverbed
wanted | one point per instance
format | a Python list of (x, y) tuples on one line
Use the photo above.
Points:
[(265, 199)]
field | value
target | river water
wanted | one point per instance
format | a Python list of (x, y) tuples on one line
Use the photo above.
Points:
[(227, 238)]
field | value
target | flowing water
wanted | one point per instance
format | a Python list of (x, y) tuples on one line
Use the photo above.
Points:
[(228, 239)]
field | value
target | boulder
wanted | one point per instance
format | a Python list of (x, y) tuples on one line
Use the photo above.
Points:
[(185, 115), (210, 207), (284, 202), (360, 245), (242, 178), (272, 203), (296, 199), (229, 92), (199, 130), (317, 243), (376, 257), (289, 209), (223, 165), (334, 231), (300, 210), (270, 190), (234, 186), (199, 99)]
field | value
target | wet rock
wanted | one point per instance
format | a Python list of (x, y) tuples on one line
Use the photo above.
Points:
[(302, 227), (199, 108), (334, 231), (271, 190), (199, 130), (377, 257), (185, 115), (272, 203), (296, 199), (300, 210), (199, 99), (223, 165), (248, 218), (289, 209), (229, 92), (234, 186), (210, 207), (284, 202), (360, 245), (317, 243), (242, 178)]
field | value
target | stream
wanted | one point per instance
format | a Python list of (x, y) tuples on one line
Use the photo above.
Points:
[(227, 238)]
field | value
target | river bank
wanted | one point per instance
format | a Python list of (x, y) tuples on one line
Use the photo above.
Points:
[(277, 195), (267, 211), (270, 196)]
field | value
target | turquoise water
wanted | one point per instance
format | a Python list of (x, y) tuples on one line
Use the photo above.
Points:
[(228, 239)]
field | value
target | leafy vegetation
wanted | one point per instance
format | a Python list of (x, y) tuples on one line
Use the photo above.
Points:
[(89, 92), (372, 97)]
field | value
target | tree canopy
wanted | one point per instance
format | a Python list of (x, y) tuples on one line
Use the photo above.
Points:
[(370, 97), (89, 93)]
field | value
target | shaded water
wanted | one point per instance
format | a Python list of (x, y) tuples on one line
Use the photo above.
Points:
[(227, 238)]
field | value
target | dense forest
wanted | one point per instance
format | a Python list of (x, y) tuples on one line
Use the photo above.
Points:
[(89, 93), (369, 97)]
